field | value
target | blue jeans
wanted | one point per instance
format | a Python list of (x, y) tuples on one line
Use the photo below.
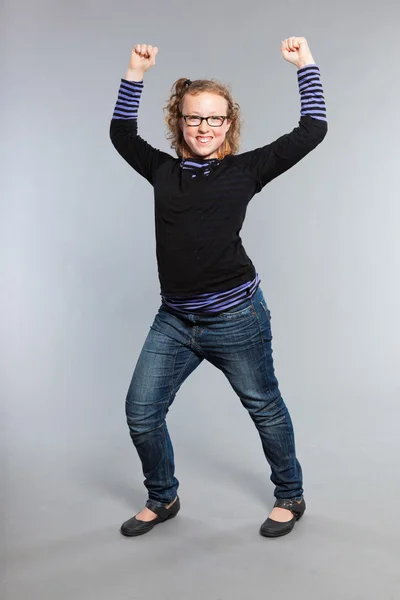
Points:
[(238, 342)]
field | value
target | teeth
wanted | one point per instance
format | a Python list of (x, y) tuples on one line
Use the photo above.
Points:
[(204, 140)]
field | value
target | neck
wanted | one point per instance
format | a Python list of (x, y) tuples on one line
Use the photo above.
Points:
[(219, 154)]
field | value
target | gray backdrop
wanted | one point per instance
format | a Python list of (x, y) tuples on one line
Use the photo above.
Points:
[(79, 290)]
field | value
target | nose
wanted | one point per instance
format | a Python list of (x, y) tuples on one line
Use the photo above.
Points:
[(203, 127)]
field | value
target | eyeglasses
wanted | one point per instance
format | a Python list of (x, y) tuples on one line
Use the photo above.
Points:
[(195, 121)]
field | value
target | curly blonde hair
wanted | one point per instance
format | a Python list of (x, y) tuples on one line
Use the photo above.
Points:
[(172, 112)]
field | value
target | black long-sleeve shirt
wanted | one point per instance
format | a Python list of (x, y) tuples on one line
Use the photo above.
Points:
[(198, 220)]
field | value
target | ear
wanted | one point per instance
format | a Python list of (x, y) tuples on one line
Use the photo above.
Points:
[(228, 124)]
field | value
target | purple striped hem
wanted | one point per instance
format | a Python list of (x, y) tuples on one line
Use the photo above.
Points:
[(214, 302)]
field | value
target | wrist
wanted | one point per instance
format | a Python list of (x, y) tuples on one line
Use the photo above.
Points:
[(134, 75), (305, 61)]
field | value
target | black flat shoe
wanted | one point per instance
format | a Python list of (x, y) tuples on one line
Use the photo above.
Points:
[(134, 527), (271, 528)]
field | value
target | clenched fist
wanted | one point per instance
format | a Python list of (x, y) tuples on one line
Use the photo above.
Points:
[(143, 57), (296, 51)]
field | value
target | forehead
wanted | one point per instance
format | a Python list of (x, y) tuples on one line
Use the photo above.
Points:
[(204, 103)]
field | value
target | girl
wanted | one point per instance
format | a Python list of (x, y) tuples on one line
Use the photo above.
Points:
[(212, 305)]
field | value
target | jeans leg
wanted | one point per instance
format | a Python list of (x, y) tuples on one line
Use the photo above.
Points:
[(163, 365), (246, 360)]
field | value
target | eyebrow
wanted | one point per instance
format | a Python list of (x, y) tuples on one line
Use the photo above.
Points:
[(212, 114)]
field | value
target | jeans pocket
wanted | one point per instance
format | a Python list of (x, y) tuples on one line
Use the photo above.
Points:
[(247, 311), (265, 321), (266, 309)]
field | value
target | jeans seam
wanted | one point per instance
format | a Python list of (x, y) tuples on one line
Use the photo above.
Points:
[(166, 454), (264, 370), (172, 391)]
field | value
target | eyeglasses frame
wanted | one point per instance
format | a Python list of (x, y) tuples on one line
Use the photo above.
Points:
[(184, 117)]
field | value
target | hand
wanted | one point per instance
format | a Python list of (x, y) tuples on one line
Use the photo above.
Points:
[(296, 51), (143, 57)]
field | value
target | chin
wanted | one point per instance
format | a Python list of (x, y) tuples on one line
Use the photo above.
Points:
[(204, 152)]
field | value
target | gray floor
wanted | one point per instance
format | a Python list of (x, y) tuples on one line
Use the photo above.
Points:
[(62, 541)]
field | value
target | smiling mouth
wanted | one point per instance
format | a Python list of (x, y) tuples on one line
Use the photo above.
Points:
[(205, 140)]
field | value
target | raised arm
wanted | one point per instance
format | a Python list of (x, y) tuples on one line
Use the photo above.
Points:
[(270, 161), (140, 155)]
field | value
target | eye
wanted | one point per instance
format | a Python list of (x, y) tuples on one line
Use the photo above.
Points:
[(216, 120), (192, 120)]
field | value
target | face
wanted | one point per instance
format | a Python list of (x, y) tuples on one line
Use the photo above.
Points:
[(204, 140)]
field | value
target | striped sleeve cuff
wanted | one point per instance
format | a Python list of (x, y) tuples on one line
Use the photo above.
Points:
[(311, 92), (128, 100)]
